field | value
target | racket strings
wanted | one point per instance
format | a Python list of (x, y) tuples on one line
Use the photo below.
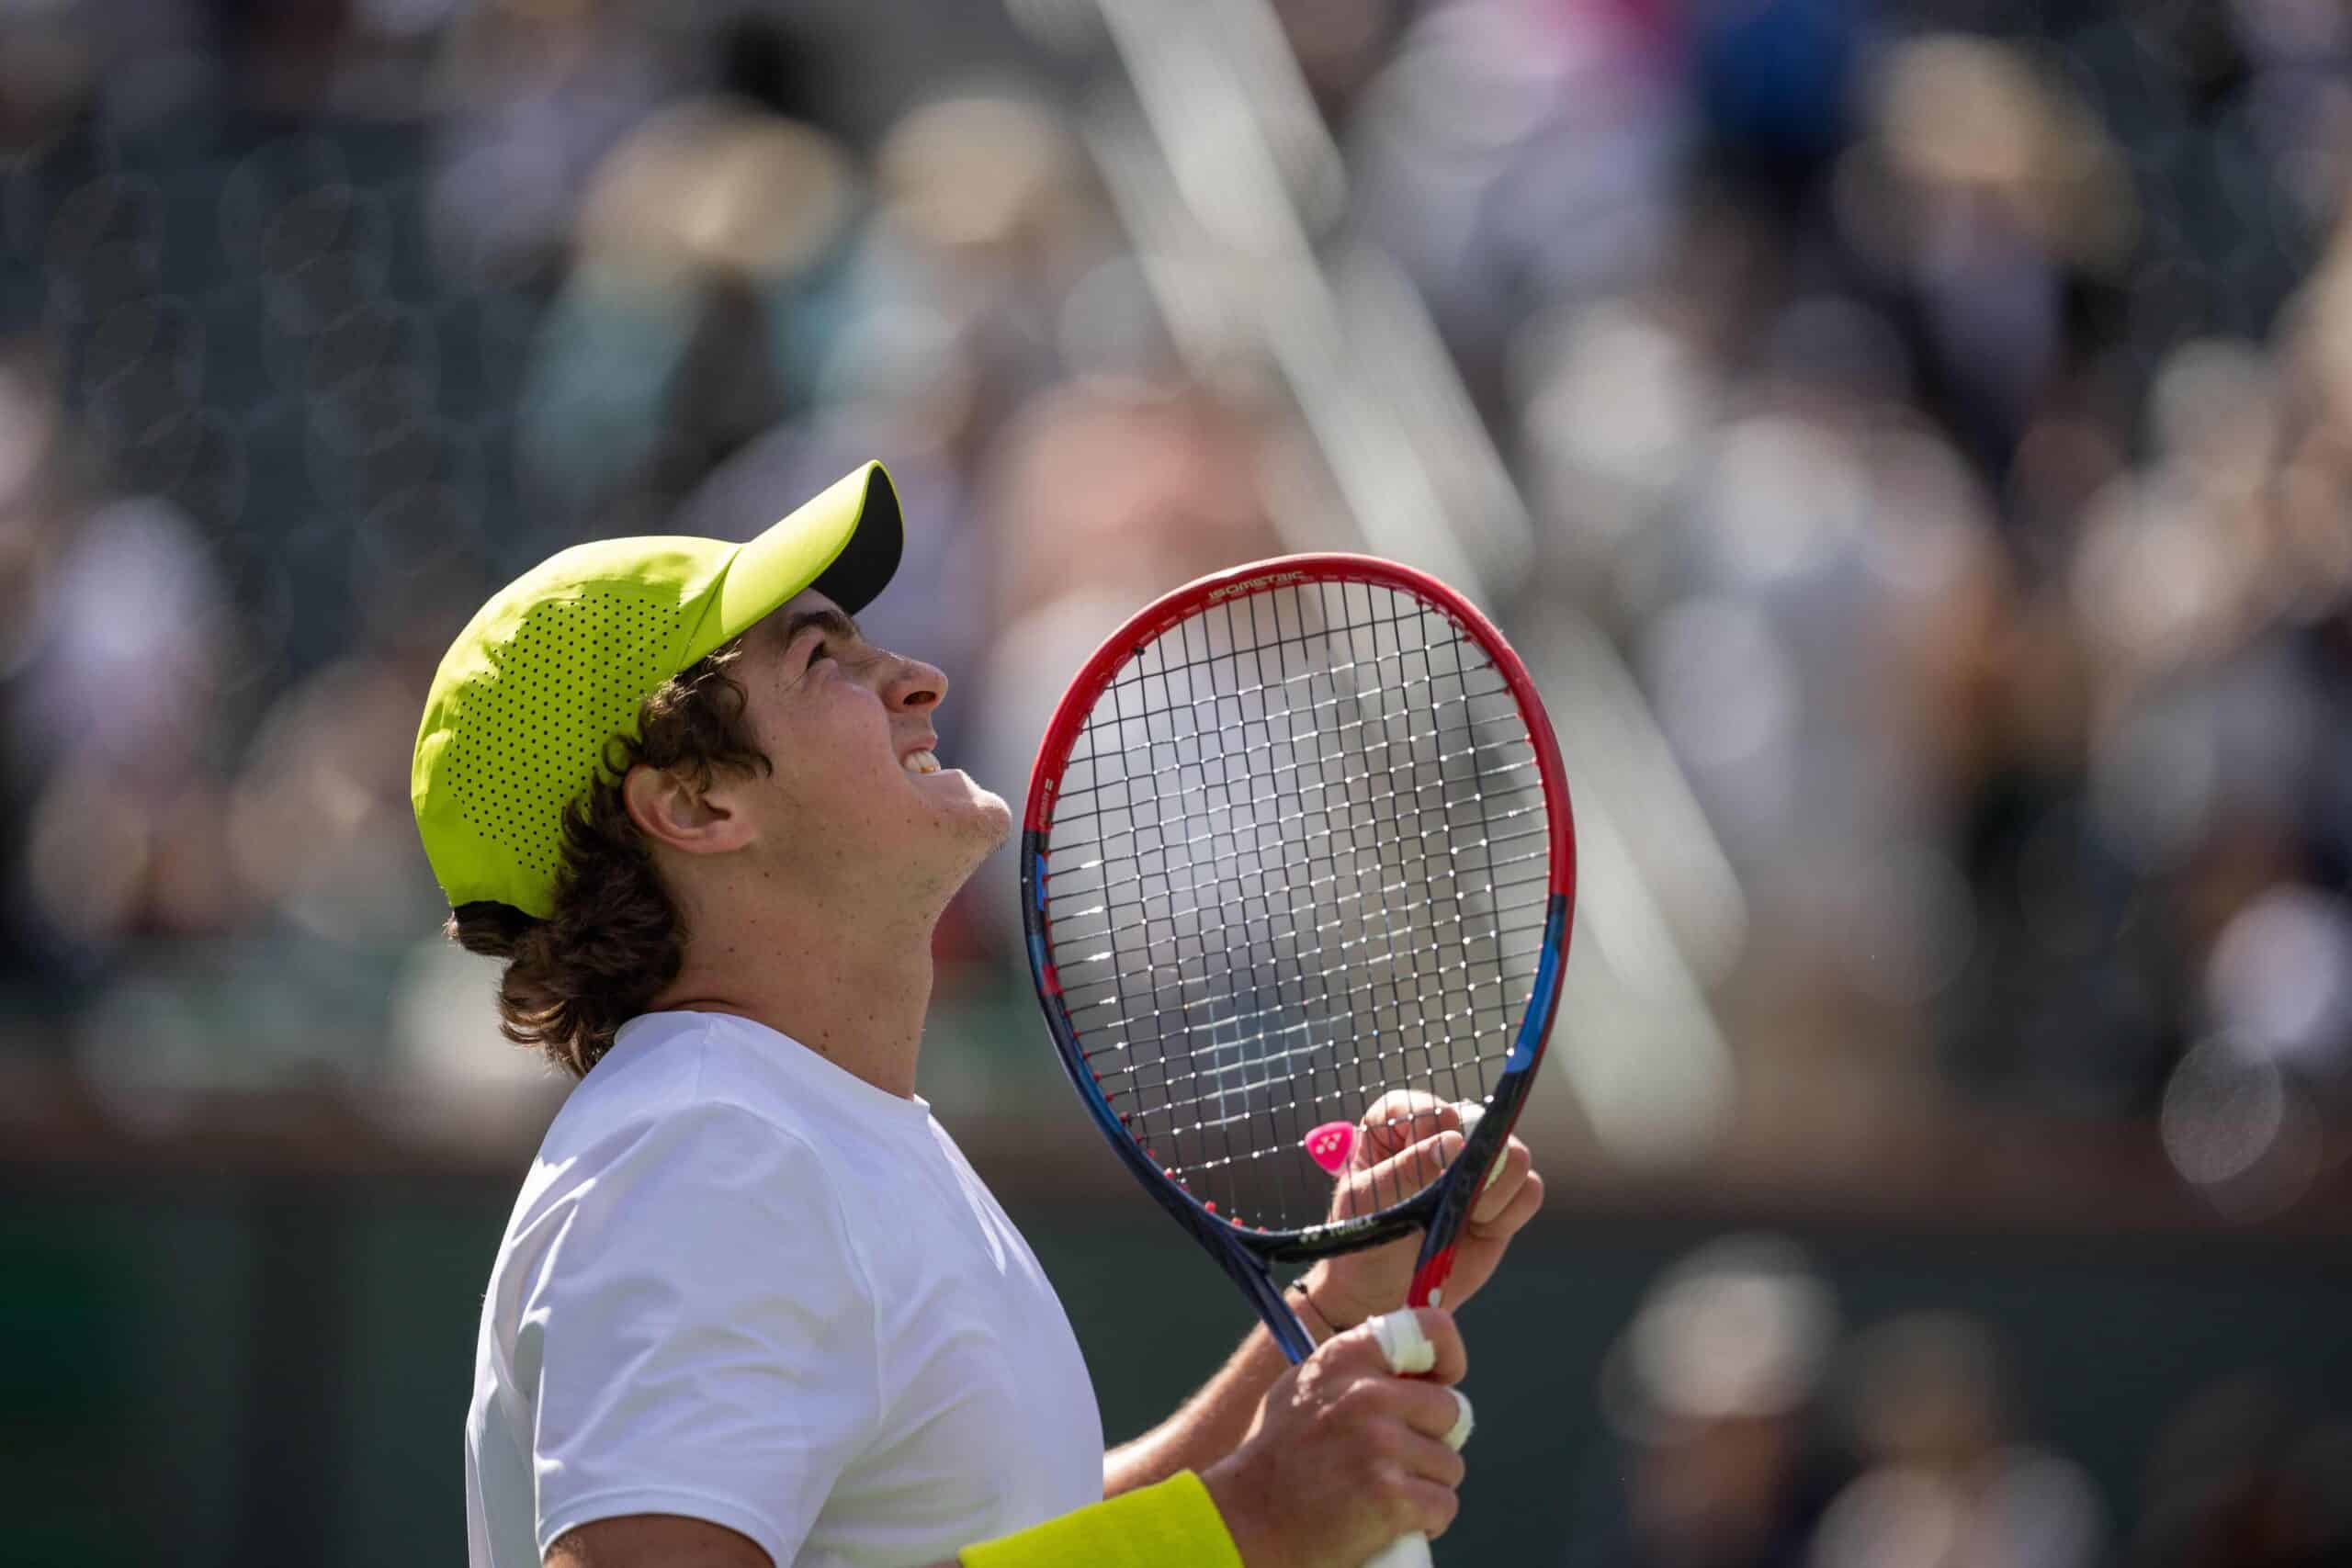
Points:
[(1260, 1056), (1337, 738), (1361, 894), (1143, 1116), (1149, 971), (1410, 612), (1327, 738), (1209, 1086), (1274, 776), (1263, 1058), (1350, 1201), (1304, 840), (1324, 914)]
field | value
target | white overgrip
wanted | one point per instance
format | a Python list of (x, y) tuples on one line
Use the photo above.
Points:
[(1409, 1354)]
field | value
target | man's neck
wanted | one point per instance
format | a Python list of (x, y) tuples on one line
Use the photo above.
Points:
[(858, 999)]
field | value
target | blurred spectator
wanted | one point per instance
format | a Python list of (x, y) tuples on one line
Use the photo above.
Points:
[(1512, 155), (1985, 201), (1945, 1482), (535, 97), (2240, 1478), (115, 701), (671, 343), (1712, 1388)]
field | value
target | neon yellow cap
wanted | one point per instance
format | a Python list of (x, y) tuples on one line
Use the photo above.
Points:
[(555, 667)]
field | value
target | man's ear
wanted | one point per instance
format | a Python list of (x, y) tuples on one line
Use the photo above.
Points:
[(676, 812)]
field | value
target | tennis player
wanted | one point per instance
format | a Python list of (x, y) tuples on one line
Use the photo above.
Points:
[(752, 1306)]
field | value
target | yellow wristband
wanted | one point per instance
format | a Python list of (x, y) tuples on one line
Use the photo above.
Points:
[(1171, 1525)]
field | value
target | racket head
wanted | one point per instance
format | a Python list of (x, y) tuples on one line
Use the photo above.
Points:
[(1298, 834)]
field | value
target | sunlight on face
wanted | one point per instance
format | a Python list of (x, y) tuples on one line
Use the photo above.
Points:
[(859, 804)]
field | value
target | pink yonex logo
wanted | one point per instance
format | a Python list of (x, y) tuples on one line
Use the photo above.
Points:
[(1330, 1144)]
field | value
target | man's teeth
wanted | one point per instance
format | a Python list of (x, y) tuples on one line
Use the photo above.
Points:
[(920, 763)]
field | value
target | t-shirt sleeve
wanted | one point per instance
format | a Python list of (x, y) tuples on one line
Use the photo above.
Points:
[(698, 1333)]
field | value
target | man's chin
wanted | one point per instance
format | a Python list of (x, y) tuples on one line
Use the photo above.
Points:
[(975, 815), (990, 807), (982, 830)]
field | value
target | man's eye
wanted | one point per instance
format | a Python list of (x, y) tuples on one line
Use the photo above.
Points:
[(816, 652)]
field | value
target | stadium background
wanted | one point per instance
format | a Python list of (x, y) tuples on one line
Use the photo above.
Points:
[(1912, 441)]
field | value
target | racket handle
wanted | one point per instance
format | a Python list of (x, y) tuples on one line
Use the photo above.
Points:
[(1406, 1552), (1408, 1352)]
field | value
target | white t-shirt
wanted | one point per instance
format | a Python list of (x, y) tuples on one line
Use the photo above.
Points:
[(742, 1285)]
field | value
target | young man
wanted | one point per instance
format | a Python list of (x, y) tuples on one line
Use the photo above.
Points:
[(753, 1307)]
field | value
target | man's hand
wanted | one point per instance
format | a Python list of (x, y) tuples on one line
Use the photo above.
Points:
[(1406, 1139), (1345, 1456)]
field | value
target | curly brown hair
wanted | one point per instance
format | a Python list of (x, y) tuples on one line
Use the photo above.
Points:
[(616, 939)]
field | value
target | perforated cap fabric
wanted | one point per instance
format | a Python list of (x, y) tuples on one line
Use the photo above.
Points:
[(529, 698)]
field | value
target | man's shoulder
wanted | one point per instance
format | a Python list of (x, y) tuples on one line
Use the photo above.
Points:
[(676, 1090), (682, 1063), (654, 1152)]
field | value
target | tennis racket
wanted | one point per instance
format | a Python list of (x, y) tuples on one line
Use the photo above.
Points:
[(1299, 836)]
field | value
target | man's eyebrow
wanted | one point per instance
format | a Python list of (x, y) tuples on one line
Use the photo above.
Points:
[(835, 623)]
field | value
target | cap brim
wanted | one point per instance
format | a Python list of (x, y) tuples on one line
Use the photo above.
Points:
[(844, 543)]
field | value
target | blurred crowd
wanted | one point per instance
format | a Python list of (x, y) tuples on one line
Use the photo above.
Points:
[(1947, 408), (1750, 1427)]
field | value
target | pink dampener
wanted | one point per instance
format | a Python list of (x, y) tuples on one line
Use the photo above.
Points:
[(1331, 1145)]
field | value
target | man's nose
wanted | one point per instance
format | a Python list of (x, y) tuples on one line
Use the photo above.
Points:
[(915, 684)]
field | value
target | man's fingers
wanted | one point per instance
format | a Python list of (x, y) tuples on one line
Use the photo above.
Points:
[(1431, 1505), (1516, 1214), (1503, 1182), (1434, 1410), (1396, 1178), (1431, 1459), (1410, 1342), (1400, 1117)]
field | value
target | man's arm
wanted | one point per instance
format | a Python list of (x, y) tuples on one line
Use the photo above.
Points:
[(1212, 1422)]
